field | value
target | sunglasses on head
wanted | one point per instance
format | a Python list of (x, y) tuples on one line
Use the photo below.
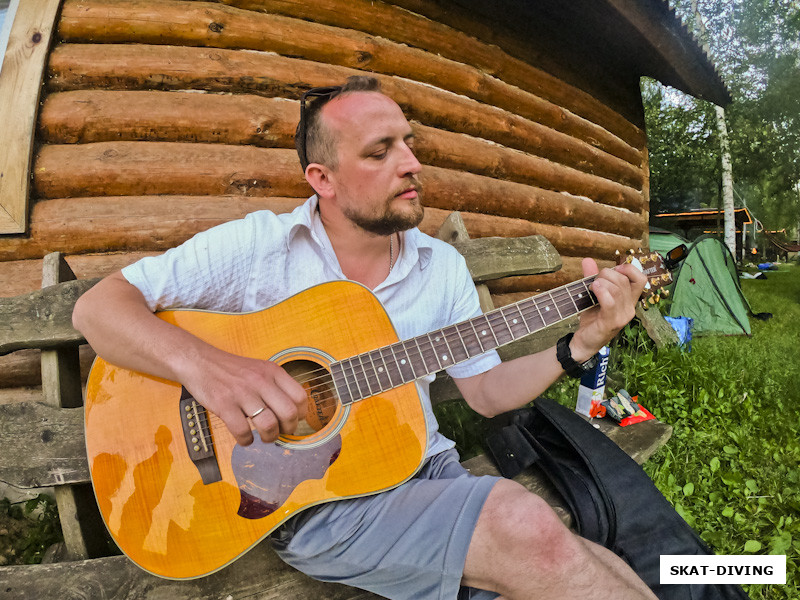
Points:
[(328, 93)]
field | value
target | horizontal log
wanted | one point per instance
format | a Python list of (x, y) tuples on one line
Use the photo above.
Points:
[(23, 276), (127, 223), (408, 25), (173, 22), (459, 151), (156, 223), (21, 394), (165, 168), (117, 66), (496, 257), (23, 368), (87, 116), (143, 168), (568, 241), (454, 190), (41, 319)]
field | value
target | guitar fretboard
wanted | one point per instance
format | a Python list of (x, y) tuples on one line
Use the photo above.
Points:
[(385, 368)]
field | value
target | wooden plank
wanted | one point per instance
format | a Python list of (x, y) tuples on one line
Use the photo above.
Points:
[(41, 319), (496, 257), (258, 575), (656, 326), (20, 84), (42, 445)]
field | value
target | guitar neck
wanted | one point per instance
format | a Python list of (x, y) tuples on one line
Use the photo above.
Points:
[(385, 368)]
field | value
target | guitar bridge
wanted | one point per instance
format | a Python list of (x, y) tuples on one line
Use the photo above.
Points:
[(197, 435)]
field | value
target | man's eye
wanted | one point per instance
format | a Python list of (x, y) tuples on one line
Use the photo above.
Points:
[(381, 154)]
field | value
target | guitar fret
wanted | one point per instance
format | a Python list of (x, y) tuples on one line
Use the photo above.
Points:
[(360, 394), (449, 352), (488, 326), (377, 371), (477, 337), (405, 374), (342, 386), (366, 375), (575, 304), (522, 318), (435, 351), (388, 369), (508, 325), (560, 316), (420, 368)]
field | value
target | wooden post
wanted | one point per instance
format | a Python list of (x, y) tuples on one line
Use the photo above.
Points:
[(20, 84), (452, 231), (83, 529)]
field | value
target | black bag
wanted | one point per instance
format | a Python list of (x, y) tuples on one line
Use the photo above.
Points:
[(612, 500)]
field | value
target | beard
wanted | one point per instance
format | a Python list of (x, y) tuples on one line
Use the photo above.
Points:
[(391, 220)]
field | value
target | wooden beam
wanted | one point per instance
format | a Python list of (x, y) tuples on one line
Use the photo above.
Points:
[(41, 319), (20, 84), (496, 257)]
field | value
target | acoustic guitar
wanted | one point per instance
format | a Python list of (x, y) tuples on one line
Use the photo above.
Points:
[(182, 499)]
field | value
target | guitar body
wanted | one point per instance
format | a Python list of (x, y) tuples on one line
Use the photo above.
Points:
[(182, 499)]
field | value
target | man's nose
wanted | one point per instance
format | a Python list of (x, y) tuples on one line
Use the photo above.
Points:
[(409, 165)]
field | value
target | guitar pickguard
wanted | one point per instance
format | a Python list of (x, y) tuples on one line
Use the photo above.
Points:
[(268, 473)]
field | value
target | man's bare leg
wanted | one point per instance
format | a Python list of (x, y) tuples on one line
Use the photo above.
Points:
[(522, 550)]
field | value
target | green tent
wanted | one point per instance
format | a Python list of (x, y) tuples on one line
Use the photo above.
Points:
[(706, 286)]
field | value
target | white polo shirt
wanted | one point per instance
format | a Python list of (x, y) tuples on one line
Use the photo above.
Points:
[(253, 263)]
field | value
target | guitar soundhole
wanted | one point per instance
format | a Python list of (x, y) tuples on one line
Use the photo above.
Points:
[(322, 401)]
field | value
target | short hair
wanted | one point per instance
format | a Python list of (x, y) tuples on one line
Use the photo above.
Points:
[(313, 140)]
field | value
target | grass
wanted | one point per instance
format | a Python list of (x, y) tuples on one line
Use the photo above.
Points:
[(732, 467)]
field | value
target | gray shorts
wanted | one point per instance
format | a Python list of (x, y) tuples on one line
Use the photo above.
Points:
[(407, 543)]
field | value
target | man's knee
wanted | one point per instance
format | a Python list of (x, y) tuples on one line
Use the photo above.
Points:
[(530, 531)]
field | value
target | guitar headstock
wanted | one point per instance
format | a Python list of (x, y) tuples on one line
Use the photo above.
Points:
[(658, 275)]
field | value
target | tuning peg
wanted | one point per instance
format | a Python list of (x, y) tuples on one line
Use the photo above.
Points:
[(666, 277), (631, 251), (665, 293), (658, 298), (651, 300)]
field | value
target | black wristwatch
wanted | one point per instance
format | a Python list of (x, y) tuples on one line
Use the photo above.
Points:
[(570, 366)]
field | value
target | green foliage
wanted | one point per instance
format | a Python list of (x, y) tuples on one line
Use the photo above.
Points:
[(756, 46), (27, 529)]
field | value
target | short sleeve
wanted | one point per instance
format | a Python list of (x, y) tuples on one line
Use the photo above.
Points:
[(209, 271)]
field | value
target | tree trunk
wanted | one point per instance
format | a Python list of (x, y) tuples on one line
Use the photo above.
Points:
[(727, 181)]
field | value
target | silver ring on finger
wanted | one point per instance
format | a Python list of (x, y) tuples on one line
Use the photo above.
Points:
[(258, 412)]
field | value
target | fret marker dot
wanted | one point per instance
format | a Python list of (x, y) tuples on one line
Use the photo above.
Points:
[(380, 369), (514, 321), (437, 339), (546, 308), (483, 332), (444, 356), (403, 361), (580, 295)]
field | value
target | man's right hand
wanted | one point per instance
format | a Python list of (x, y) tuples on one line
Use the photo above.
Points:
[(247, 393)]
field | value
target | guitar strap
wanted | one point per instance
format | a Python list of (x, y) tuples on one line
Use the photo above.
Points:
[(612, 500)]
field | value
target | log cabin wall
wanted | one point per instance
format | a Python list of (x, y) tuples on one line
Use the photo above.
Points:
[(162, 118)]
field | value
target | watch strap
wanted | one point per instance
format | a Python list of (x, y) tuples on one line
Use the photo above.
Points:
[(569, 364)]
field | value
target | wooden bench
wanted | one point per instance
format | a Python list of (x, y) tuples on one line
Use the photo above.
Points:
[(42, 443)]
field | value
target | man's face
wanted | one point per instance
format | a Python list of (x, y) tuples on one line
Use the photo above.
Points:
[(375, 181)]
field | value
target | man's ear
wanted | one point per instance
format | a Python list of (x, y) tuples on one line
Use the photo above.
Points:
[(319, 177)]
